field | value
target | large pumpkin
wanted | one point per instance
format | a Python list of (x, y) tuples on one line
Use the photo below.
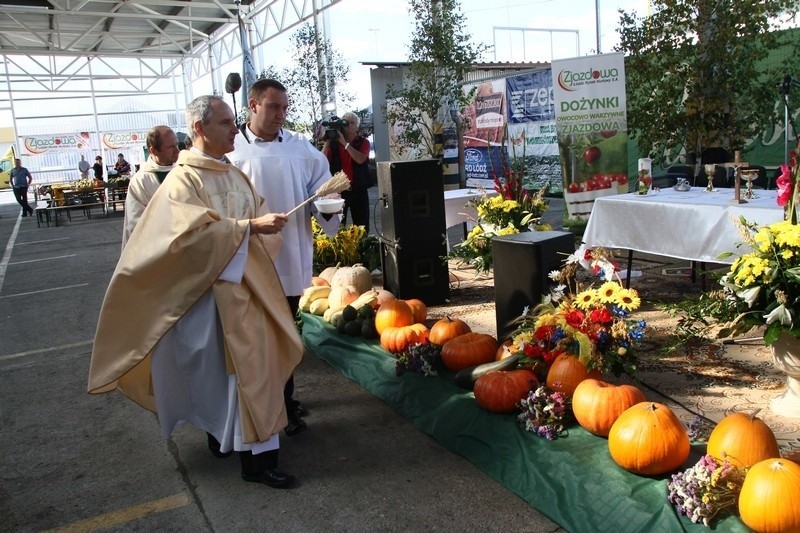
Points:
[(393, 314), (447, 328), (327, 274), (499, 391), (597, 404), (648, 439), (770, 496), (418, 309), (398, 339), (470, 349), (357, 275), (566, 372), (743, 440)]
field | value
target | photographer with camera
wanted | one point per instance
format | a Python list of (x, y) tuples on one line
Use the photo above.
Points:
[(348, 151)]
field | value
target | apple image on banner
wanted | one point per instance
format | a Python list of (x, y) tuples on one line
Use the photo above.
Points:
[(591, 155), (58, 141)]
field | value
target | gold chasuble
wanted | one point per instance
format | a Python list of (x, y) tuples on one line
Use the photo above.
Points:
[(189, 232)]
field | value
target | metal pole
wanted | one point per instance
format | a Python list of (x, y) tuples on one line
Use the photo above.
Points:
[(597, 22)]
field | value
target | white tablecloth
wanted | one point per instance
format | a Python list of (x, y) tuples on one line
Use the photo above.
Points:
[(693, 225), (456, 210)]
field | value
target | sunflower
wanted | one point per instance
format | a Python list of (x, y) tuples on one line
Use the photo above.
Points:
[(586, 299), (608, 291), (628, 299)]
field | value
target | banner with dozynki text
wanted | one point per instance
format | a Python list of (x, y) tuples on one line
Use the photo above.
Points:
[(591, 124)]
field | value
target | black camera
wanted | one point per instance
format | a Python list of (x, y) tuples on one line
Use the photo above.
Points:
[(333, 126)]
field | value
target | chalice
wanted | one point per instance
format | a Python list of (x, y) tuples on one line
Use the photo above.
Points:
[(749, 176), (710, 169)]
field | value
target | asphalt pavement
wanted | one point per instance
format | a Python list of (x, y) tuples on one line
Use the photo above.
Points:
[(77, 462)]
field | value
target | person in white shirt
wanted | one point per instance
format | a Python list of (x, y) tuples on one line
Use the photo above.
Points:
[(286, 169)]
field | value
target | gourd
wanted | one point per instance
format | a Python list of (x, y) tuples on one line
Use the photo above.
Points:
[(398, 339), (418, 309), (447, 328), (566, 372), (343, 295), (770, 496), (597, 404), (320, 282), (648, 439), (743, 440), (470, 349), (394, 313), (466, 378), (499, 391), (357, 275)]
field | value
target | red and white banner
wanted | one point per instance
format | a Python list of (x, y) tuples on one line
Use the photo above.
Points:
[(118, 140), (62, 142)]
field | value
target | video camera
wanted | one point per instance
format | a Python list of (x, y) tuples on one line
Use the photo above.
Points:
[(333, 126)]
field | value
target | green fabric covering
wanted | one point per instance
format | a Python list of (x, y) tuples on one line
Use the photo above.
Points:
[(572, 480)]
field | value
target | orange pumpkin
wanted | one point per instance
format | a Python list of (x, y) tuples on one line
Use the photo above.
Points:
[(469, 349), (648, 439), (398, 339), (597, 404), (770, 496), (418, 309), (499, 391), (447, 328), (566, 372), (393, 314), (743, 440), (504, 351)]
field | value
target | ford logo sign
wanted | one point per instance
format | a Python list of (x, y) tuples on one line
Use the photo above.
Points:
[(471, 155)]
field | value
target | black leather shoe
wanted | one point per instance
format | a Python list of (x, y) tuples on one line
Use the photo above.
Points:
[(213, 445), (272, 477), (295, 425), (300, 409)]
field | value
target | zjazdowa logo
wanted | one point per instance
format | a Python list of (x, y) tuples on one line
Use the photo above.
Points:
[(569, 80)]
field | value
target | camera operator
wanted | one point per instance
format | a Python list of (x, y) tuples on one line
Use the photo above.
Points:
[(348, 151)]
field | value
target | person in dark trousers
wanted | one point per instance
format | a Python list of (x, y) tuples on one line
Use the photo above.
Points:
[(349, 152), (20, 181)]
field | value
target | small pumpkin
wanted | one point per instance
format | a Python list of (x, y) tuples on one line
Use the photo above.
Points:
[(318, 281), (327, 273), (566, 372), (504, 350), (770, 496), (648, 439), (357, 275), (398, 339), (341, 296), (743, 440), (419, 309), (447, 328), (499, 391), (393, 313), (597, 404), (469, 349), (383, 297)]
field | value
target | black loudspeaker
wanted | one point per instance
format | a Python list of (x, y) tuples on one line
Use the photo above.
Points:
[(521, 264), (413, 193), (416, 270)]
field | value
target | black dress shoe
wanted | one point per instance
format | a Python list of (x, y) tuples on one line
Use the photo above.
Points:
[(272, 477), (295, 425), (300, 409), (213, 445)]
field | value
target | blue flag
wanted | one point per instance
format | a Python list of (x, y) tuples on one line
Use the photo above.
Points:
[(248, 68)]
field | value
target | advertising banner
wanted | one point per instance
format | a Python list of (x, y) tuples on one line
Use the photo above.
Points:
[(591, 123), (62, 142), (532, 128), (485, 120), (118, 140)]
